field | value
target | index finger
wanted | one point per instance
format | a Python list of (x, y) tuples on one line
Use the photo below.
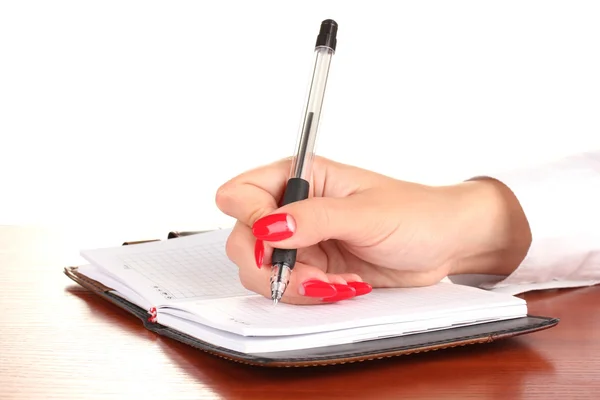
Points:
[(255, 193)]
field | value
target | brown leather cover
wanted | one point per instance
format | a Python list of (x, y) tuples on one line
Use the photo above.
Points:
[(340, 354)]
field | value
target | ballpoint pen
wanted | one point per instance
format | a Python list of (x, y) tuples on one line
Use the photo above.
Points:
[(283, 260)]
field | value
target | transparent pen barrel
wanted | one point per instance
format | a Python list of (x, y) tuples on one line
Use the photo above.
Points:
[(307, 137)]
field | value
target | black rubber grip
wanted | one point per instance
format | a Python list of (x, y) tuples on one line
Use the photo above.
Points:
[(284, 256), (296, 190)]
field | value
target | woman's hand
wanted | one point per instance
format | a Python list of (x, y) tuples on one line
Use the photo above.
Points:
[(360, 229)]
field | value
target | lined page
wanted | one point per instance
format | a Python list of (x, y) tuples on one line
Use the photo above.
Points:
[(256, 316), (188, 268)]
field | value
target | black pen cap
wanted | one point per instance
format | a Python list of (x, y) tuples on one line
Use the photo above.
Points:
[(328, 34)]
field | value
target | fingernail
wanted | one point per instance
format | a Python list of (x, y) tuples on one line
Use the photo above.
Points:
[(259, 252), (361, 287), (343, 292), (316, 288), (274, 227)]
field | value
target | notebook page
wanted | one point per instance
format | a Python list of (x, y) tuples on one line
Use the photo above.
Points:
[(266, 344), (256, 316), (176, 270), (118, 287)]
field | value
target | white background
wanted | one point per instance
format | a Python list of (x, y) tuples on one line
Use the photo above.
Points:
[(120, 119)]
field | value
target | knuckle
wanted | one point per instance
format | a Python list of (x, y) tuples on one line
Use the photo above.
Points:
[(318, 160), (223, 196), (245, 280), (285, 161), (230, 247), (233, 246), (236, 250), (256, 215)]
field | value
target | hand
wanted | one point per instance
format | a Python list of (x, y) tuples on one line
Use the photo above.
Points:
[(360, 229)]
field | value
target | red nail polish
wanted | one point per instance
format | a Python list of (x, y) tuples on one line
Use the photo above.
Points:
[(259, 252), (274, 227), (316, 288), (361, 287), (343, 292)]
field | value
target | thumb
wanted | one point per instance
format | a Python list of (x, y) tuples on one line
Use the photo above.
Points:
[(308, 222)]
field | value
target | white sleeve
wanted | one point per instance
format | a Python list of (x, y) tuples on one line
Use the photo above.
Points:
[(561, 201)]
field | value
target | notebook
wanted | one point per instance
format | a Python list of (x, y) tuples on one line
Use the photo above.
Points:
[(186, 288)]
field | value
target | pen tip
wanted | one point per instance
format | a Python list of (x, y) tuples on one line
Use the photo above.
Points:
[(275, 301)]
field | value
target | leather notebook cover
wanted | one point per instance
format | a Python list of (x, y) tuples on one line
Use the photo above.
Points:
[(339, 354)]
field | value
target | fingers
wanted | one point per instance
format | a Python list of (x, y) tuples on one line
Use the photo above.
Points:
[(254, 193), (308, 284), (308, 222)]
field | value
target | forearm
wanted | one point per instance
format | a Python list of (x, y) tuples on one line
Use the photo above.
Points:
[(495, 227), (541, 233)]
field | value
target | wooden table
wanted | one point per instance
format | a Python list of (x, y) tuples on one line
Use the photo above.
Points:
[(59, 341)]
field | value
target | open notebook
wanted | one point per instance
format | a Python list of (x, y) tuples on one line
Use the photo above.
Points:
[(189, 287)]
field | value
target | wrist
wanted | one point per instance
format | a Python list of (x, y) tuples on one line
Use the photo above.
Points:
[(496, 232)]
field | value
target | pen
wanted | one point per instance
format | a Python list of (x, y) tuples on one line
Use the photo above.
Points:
[(171, 235), (297, 188), (140, 242), (177, 234)]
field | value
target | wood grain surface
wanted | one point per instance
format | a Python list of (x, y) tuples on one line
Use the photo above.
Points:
[(58, 341)]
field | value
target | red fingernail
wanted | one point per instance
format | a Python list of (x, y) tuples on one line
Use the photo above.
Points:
[(259, 252), (316, 288), (361, 287), (343, 292), (274, 227)]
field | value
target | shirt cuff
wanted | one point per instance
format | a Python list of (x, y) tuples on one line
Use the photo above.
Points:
[(561, 201)]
